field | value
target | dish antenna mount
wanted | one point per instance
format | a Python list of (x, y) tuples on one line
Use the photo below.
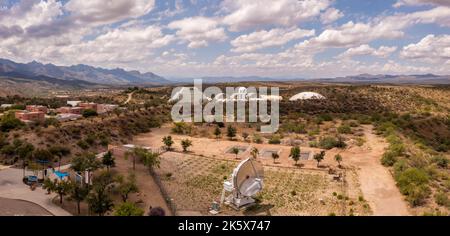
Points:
[(246, 181)]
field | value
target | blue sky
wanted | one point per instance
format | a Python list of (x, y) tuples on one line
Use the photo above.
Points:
[(193, 38)]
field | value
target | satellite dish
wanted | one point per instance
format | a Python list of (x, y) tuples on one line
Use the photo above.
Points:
[(246, 181)]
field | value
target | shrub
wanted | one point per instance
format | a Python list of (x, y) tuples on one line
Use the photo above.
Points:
[(128, 209), (344, 129), (83, 144), (413, 183), (441, 161), (388, 159), (441, 199), (275, 139)]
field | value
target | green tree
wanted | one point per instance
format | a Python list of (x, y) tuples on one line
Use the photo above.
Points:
[(128, 209), (99, 199), (217, 132), (319, 157), (186, 143), (168, 142), (231, 132), (126, 186), (86, 162), (338, 159), (25, 152), (235, 151), (60, 187), (108, 160), (60, 152), (78, 193), (9, 122), (89, 113), (295, 154), (254, 152), (275, 156)]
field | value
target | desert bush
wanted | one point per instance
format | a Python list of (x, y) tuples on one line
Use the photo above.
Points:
[(257, 138), (275, 139), (441, 161), (413, 183), (442, 199), (181, 128), (344, 129), (388, 159)]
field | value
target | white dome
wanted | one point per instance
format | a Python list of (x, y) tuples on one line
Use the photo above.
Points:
[(306, 96)]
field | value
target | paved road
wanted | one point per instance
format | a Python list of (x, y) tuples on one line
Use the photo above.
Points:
[(14, 207), (12, 187)]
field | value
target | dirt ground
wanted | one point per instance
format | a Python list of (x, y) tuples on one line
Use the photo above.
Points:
[(12, 207), (365, 176)]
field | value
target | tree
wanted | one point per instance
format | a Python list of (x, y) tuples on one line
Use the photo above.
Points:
[(319, 157), (275, 156), (60, 187), (87, 162), (89, 113), (78, 193), (186, 143), (235, 151), (108, 160), (43, 155), (126, 186), (295, 154), (60, 152), (167, 140), (150, 159), (128, 209), (231, 132), (338, 158), (25, 151), (99, 199), (117, 111), (254, 152), (217, 132)]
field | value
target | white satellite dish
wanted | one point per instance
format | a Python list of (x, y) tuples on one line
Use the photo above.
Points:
[(246, 181)]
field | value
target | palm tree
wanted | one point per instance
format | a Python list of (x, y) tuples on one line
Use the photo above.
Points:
[(275, 156), (235, 151), (254, 152), (186, 143), (338, 158), (295, 154), (61, 187)]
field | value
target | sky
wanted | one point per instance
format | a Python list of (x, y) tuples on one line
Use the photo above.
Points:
[(195, 38)]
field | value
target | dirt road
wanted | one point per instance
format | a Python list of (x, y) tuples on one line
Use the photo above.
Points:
[(377, 183)]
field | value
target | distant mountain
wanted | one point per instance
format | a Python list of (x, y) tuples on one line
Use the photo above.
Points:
[(226, 79), (389, 79), (80, 73)]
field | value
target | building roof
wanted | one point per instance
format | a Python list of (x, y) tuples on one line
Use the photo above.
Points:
[(306, 96)]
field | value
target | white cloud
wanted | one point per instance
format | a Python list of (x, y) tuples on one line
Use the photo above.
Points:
[(400, 3), (263, 39), (365, 49), (247, 14), (330, 15), (103, 11), (30, 12), (198, 31), (432, 49), (390, 27)]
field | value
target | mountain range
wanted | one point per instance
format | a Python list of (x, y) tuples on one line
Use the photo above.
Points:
[(78, 74)]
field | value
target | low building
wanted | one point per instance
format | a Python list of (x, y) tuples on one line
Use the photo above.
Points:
[(27, 116), (104, 108), (90, 105), (36, 108), (68, 117), (70, 110), (73, 103)]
